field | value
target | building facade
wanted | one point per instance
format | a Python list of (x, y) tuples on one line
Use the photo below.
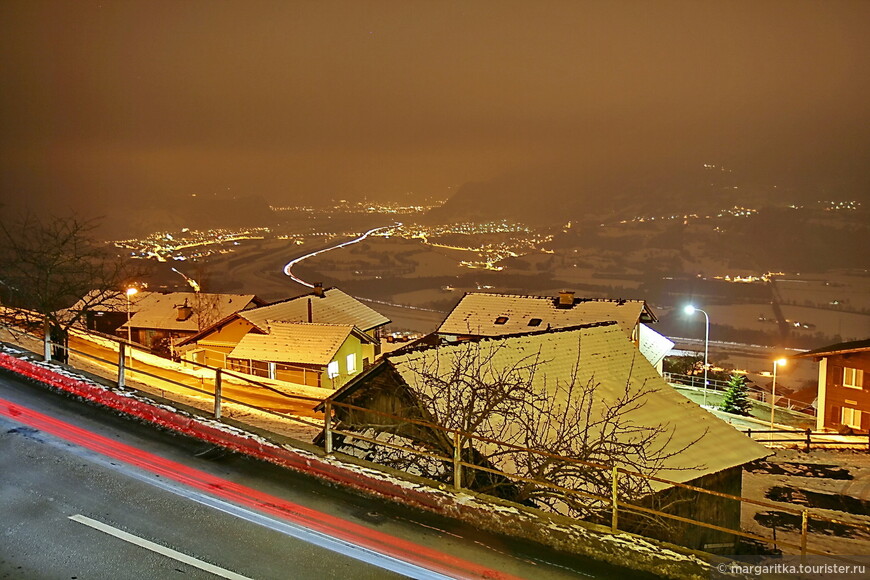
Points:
[(843, 401)]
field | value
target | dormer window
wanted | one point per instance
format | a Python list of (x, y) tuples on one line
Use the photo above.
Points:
[(535, 322), (501, 319)]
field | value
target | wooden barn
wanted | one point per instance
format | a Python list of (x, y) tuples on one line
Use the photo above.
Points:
[(595, 397)]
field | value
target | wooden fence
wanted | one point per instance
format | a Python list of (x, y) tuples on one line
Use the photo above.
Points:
[(617, 507)]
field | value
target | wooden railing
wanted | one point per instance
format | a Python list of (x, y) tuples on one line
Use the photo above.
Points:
[(611, 503)]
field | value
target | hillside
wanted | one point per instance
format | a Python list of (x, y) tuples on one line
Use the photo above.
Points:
[(556, 194)]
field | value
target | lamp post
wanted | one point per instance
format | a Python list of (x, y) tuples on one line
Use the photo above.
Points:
[(130, 292), (691, 310), (777, 363)]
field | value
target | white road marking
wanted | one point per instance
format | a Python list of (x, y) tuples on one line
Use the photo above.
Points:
[(288, 528), (148, 545)]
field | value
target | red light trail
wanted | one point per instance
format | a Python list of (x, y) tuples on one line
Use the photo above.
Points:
[(332, 526)]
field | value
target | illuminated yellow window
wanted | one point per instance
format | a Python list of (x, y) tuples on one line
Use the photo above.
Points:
[(853, 378)]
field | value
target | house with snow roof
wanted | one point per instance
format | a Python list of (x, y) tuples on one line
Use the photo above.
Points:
[(319, 355), (843, 400), (105, 310), (484, 314), (620, 412), (159, 321), (324, 308)]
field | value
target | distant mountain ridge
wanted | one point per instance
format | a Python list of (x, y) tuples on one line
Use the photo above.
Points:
[(552, 196)]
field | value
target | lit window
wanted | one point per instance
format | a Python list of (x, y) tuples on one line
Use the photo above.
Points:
[(332, 369), (501, 319), (853, 378), (351, 364), (535, 322), (850, 417)]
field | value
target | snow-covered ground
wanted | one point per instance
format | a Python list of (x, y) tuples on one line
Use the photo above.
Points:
[(832, 483)]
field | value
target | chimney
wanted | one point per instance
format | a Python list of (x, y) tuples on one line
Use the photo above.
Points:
[(318, 289), (566, 299), (184, 312), (310, 311)]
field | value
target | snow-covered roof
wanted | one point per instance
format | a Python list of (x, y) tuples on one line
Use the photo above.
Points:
[(839, 348), (160, 311), (653, 345), (110, 301), (333, 307), (294, 342), (486, 314), (601, 355)]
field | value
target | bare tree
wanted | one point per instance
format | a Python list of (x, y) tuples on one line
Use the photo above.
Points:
[(564, 432), (206, 308), (571, 421), (47, 263)]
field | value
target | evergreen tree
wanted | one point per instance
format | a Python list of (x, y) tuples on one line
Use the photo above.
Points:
[(736, 398)]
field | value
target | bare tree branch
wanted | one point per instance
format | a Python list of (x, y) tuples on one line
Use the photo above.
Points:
[(48, 263)]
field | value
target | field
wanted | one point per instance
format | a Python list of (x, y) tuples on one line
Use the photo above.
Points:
[(643, 262)]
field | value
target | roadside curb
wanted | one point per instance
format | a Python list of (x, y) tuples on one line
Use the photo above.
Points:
[(206, 430)]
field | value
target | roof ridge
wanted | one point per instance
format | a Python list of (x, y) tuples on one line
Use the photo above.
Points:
[(425, 347), (301, 323), (551, 298)]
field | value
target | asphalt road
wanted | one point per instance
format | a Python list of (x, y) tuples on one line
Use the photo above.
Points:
[(87, 494)]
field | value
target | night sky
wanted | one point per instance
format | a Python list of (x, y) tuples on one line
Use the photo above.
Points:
[(106, 101)]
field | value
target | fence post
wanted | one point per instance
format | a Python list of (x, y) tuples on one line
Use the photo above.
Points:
[(809, 439), (46, 342), (457, 461), (218, 388), (804, 527), (122, 355), (614, 500), (327, 426)]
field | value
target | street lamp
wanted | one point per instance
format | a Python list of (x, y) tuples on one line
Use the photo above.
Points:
[(689, 309), (777, 363), (130, 292)]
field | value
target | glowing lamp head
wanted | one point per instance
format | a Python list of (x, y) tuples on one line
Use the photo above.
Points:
[(781, 362), (131, 291), (689, 309)]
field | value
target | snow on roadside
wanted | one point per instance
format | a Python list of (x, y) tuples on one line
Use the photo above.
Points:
[(620, 549)]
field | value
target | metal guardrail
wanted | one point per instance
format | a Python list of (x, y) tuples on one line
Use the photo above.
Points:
[(616, 505), (805, 437), (755, 392)]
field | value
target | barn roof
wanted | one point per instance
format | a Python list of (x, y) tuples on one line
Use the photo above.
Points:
[(603, 355), (488, 314)]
